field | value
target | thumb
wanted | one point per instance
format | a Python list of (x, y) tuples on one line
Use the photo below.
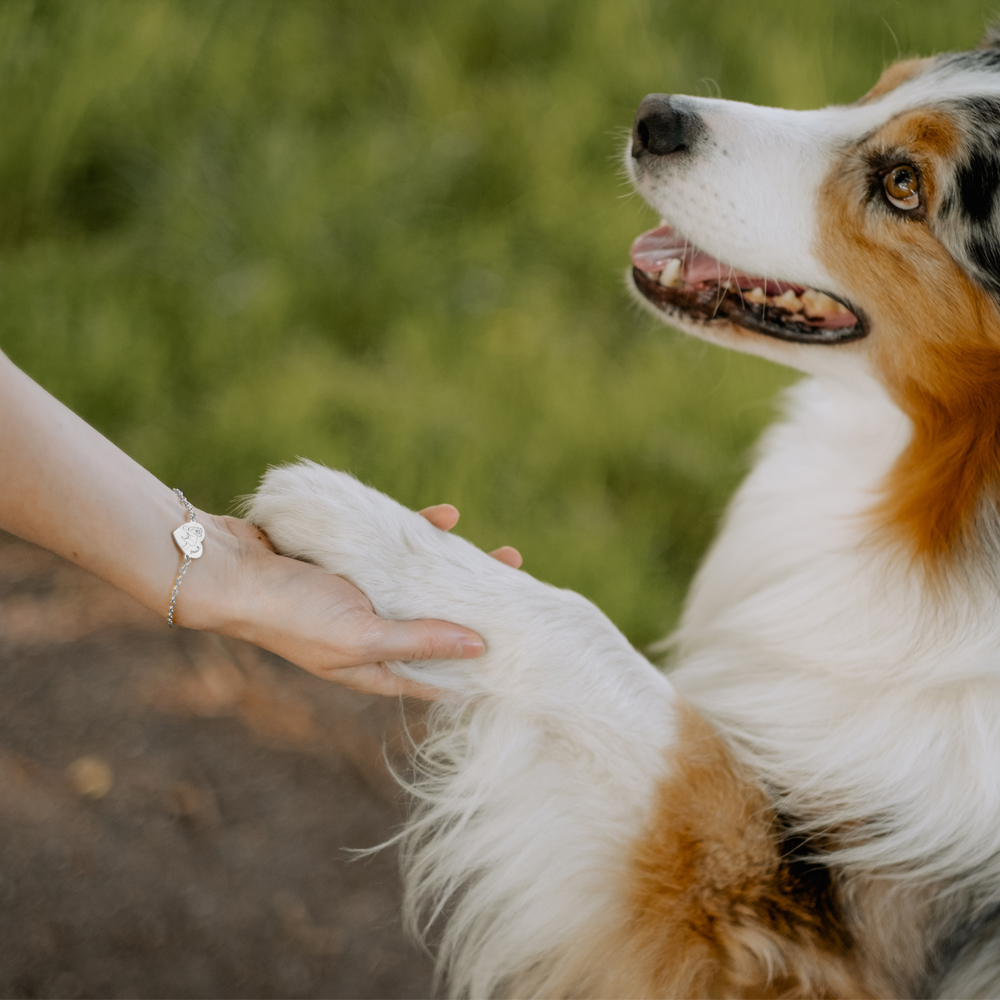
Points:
[(423, 639)]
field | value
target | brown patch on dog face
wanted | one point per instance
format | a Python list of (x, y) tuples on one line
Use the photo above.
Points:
[(935, 334), (929, 135), (718, 907), (895, 75)]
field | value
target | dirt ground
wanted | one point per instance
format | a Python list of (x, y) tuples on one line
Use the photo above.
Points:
[(176, 809)]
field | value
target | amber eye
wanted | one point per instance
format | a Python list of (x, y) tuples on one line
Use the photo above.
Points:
[(902, 187)]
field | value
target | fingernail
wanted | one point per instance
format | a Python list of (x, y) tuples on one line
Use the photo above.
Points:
[(469, 647)]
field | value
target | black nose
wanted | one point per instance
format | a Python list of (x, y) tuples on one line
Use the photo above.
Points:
[(660, 128)]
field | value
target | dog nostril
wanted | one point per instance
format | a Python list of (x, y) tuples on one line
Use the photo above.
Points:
[(659, 128)]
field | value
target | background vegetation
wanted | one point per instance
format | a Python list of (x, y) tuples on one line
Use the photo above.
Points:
[(390, 235)]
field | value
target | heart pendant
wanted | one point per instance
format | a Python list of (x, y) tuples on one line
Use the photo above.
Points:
[(189, 537)]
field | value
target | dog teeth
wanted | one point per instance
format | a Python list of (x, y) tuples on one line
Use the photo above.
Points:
[(756, 296), (671, 274), (817, 304), (788, 301)]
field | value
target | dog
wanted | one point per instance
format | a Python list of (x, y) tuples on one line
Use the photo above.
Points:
[(808, 802)]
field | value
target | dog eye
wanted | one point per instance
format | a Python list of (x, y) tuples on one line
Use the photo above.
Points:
[(902, 187)]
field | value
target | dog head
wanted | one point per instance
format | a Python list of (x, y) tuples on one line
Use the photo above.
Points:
[(861, 241)]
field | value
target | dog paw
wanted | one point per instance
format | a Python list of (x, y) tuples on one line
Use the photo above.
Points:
[(540, 641), (406, 566)]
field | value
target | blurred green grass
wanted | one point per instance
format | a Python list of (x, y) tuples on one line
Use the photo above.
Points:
[(391, 237)]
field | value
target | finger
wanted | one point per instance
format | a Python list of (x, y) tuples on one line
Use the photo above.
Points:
[(423, 639), (442, 516), (509, 555)]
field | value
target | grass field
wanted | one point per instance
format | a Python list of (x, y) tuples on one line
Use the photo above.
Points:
[(390, 236)]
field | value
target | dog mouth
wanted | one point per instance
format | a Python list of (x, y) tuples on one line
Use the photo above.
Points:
[(677, 277)]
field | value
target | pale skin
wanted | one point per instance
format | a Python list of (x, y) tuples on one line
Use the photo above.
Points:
[(69, 489)]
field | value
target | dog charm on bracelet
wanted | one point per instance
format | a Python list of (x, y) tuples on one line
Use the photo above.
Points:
[(189, 537)]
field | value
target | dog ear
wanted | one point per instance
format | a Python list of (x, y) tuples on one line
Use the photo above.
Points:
[(990, 40)]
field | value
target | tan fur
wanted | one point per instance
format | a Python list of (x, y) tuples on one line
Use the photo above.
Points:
[(936, 340), (714, 908), (893, 76)]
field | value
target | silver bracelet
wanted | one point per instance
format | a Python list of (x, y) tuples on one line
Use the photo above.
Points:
[(189, 537)]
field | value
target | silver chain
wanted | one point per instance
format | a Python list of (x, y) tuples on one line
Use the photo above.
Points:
[(184, 500), (192, 517)]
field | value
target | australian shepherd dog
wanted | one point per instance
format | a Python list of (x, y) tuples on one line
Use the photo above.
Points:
[(807, 802)]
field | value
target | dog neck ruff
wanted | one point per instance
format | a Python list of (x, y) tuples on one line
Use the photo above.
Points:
[(190, 539)]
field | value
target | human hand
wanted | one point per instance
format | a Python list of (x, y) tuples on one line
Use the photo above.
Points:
[(315, 619)]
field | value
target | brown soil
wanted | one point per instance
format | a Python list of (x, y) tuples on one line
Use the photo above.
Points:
[(176, 809)]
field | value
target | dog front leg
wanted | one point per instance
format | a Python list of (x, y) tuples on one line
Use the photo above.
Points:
[(577, 828)]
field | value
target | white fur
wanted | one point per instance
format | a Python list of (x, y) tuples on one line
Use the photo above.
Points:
[(541, 765), (853, 692)]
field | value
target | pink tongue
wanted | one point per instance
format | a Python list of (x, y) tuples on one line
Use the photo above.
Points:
[(651, 251)]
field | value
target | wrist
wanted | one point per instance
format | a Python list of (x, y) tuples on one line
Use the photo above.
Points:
[(212, 595)]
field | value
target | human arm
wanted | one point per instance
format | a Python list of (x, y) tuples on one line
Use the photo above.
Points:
[(66, 487)]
